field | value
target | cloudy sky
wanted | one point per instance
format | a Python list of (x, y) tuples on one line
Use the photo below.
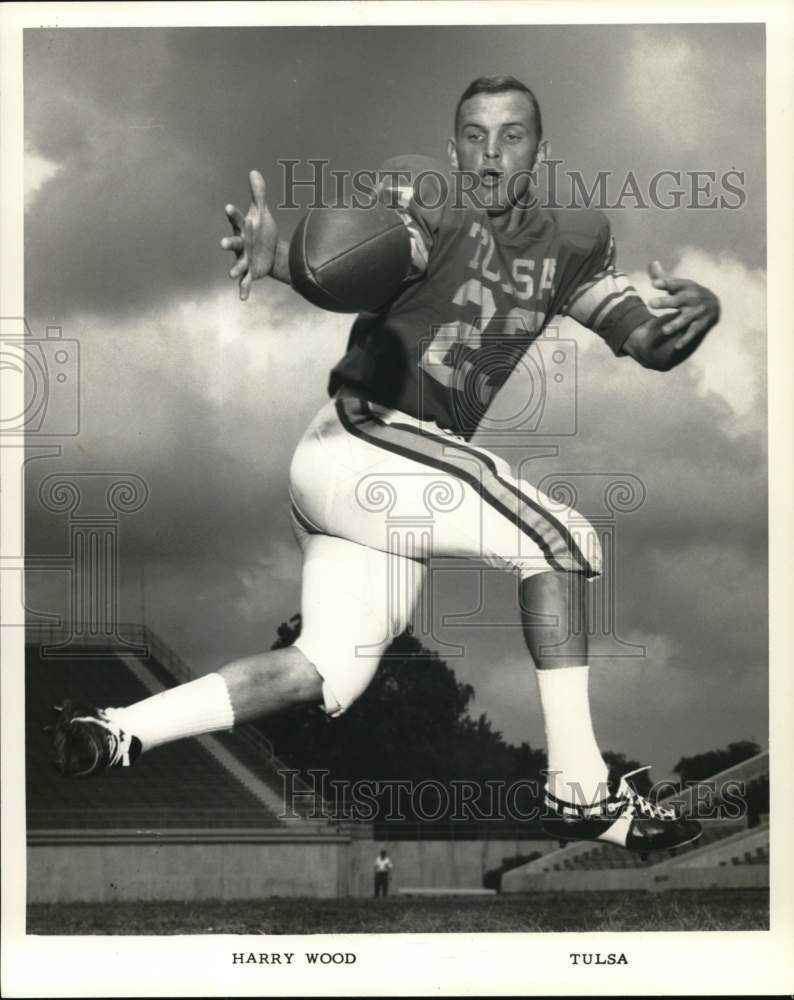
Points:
[(135, 140)]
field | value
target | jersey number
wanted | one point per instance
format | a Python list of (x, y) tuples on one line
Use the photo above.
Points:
[(449, 357)]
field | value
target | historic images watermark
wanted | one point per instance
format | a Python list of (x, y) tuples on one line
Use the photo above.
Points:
[(312, 184), (466, 801)]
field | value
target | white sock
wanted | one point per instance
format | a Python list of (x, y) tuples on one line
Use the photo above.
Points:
[(200, 706), (577, 772)]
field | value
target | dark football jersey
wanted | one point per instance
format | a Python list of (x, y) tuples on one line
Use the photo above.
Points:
[(476, 299)]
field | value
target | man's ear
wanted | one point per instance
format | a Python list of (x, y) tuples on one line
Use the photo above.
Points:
[(544, 151), (452, 153)]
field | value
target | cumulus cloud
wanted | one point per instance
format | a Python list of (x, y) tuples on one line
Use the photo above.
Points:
[(731, 363), (38, 170), (206, 400), (725, 378)]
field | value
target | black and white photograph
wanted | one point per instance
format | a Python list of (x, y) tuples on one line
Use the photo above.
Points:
[(396, 456)]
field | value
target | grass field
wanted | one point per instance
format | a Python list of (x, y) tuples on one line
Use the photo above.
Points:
[(746, 909)]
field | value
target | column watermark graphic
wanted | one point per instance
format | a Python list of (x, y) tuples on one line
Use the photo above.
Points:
[(620, 494), (41, 413), (408, 506), (93, 504)]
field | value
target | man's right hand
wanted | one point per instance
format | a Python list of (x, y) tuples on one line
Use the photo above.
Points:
[(255, 238)]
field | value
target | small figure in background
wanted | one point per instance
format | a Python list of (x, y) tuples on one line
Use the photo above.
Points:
[(383, 870)]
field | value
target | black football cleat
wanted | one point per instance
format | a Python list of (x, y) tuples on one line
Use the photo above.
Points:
[(87, 740), (625, 818)]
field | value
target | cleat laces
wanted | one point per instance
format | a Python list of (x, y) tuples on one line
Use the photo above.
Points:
[(637, 804)]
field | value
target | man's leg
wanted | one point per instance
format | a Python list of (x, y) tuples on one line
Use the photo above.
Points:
[(485, 513), (553, 612), (580, 803), (90, 740), (351, 610), (242, 690), (349, 614)]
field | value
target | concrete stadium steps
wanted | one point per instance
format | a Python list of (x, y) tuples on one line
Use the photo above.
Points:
[(746, 847), (746, 771), (179, 784), (722, 844), (737, 862), (585, 856), (734, 877), (247, 745)]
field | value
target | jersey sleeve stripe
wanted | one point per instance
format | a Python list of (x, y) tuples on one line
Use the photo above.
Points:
[(605, 306), (587, 286), (419, 248), (582, 290), (590, 300), (610, 306)]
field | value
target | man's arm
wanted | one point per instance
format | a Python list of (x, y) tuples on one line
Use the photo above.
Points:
[(260, 253), (663, 342), (255, 243)]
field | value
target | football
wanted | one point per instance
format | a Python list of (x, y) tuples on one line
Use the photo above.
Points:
[(350, 259)]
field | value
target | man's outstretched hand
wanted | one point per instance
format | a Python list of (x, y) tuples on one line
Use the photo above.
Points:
[(697, 308), (255, 237)]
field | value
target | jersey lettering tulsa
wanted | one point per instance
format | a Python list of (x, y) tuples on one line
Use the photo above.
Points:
[(476, 299)]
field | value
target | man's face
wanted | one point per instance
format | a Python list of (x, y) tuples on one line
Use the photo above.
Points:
[(496, 139)]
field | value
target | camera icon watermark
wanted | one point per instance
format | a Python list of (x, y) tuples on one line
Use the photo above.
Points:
[(49, 369), (474, 366), (548, 402)]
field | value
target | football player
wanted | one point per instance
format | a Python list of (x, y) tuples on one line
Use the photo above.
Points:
[(488, 272)]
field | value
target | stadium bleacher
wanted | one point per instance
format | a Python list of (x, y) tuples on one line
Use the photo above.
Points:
[(183, 784), (607, 856)]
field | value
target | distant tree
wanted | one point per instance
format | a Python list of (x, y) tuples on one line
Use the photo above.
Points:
[(410, 723), (706, 765)]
